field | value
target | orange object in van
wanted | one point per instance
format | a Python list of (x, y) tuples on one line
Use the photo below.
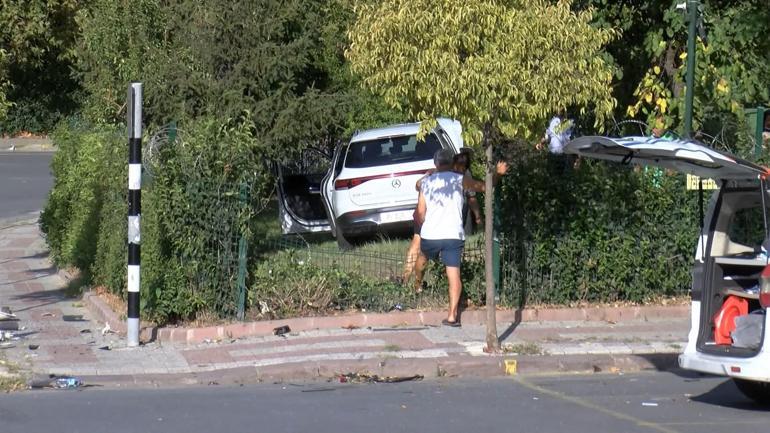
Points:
[(724, 320)]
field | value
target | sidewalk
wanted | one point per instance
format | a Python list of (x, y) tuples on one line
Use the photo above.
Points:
[(61, 335), (26, 145)]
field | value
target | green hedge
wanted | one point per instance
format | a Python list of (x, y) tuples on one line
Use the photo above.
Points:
[(87, 167), (599, 233), (193, 214)]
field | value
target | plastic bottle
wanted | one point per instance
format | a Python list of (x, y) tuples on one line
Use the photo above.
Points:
[(67, 382)]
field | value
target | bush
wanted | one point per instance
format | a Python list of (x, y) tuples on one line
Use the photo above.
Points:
[(288, 285), (600, 233), (85, 167)]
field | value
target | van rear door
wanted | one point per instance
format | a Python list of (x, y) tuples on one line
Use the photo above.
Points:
[(686, 156)]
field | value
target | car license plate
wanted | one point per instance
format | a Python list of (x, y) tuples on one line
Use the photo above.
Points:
[(392, 217)]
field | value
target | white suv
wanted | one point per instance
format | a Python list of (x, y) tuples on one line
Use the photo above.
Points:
[(368, 186), (731, 277)]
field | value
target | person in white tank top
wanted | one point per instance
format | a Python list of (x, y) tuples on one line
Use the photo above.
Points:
[(439, 210)]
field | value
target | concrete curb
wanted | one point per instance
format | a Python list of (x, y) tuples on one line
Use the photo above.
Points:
[(29, 218), (430, 368), (104, 313)]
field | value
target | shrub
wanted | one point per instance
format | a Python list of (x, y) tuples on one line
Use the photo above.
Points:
[(286, 284), (84, 167), (599, 233)]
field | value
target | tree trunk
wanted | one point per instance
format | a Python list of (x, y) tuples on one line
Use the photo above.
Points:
[(493, 343)]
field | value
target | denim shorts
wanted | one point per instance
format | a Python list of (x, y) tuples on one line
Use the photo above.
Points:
[(450, 250)]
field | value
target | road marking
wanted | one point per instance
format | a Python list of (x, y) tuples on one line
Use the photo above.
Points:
[(589, 405)]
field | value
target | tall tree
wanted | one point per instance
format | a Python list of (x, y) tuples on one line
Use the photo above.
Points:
[(280, 63), (501, 67), (38, 40), (732, 64)]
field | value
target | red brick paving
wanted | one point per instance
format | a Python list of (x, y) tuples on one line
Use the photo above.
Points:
[(67, 354)]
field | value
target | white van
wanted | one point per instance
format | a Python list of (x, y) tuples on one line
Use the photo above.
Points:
[(366, 186), (731, 277)]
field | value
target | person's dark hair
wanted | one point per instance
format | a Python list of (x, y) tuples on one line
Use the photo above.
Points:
[(465, 156)]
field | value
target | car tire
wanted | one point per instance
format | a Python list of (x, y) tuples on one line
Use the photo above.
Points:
[(757, 391), (342, 243)]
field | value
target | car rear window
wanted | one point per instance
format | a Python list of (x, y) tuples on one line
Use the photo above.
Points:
[(391, 150)]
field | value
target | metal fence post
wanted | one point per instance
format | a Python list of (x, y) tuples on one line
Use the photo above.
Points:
[(134, 209), (242, 249)]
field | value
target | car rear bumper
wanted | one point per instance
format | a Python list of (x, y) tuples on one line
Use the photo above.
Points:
[(376, 220), (756, 368)]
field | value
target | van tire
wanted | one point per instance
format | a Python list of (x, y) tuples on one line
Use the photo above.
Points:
[(757, 391)]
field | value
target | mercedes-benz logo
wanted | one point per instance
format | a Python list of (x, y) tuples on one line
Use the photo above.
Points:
[(396, 183)]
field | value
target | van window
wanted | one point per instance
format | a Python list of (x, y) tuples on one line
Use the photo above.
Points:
[(391, 150)]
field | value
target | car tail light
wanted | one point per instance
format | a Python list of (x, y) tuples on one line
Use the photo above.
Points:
[(764, 287), (354, 182)]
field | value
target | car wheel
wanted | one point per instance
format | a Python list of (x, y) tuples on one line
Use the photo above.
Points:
[(342, 242), (757, 391)]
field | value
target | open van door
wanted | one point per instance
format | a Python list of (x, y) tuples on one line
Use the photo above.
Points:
[(685, 156), (301, 201)]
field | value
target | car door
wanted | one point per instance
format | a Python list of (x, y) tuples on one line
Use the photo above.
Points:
[(685, 156), (301, 203), (327, 186), (451, 130)]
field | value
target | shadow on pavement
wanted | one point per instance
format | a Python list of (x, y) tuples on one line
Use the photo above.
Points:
[(46, 271), (726, 394), (45, 297)]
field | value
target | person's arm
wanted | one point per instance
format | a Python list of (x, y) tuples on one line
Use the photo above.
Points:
[(473, 203), (419, 216), (418, 184), (471, 184)]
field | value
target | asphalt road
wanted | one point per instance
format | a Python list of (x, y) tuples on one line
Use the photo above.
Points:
[(25, 179), (647, 402)]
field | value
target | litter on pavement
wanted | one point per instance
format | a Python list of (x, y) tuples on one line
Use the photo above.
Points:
[(6, 314), (56, 382), (281, 330), (373, 378)]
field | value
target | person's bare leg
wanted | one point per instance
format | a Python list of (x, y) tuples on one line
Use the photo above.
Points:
[(412, 253), (455, 288), (419, 271)]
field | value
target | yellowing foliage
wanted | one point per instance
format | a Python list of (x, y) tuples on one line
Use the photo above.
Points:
[(506, 65)]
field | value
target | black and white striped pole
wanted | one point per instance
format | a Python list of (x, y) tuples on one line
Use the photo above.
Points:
[(134, 109)]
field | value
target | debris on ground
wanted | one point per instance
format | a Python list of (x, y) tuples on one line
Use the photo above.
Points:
[(107, 330), (56, 382), (281, 330), (6, 314), (373, 378), (33, 347), (649, 404)]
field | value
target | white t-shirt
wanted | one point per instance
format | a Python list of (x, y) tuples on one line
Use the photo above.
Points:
[(443, 193)]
